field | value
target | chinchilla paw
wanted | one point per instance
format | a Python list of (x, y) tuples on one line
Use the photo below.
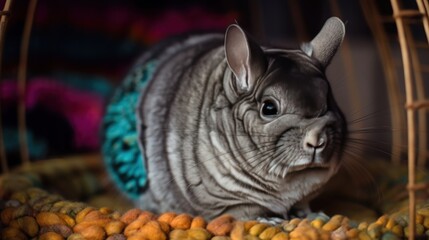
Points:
[(270, 220)]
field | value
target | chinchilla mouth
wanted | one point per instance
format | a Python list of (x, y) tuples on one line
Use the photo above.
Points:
[(311, 166)]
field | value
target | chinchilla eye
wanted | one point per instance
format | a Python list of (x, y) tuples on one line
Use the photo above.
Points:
[(269, 108)]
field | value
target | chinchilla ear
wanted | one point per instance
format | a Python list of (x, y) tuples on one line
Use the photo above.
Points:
[(245, 58), (324, 46)]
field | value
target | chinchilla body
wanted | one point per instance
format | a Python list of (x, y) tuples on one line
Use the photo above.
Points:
[(210, 124)]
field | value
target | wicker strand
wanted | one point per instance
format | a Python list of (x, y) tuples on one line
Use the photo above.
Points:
[(423, 6), (407, 14), (418, 104), (3, 23), (420, 92), (400, 25), (22, 75)]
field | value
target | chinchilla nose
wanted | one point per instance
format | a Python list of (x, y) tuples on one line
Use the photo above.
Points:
[(314, 141)]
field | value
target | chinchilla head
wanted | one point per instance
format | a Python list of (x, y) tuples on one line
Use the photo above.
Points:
[(289, 129)]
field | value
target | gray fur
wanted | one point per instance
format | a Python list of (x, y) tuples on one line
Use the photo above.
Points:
[(208, 148)]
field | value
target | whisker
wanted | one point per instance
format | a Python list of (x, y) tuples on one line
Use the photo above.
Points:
[(256, 158), (263, 161), (278, 159), (381, 129), (285, 170), (370, 142), (373, 148), (366, 116), (357, 171)]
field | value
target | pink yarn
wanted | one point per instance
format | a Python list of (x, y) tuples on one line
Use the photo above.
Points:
[(83, 110)]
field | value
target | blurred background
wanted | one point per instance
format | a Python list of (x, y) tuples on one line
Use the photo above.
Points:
[(80, 50)]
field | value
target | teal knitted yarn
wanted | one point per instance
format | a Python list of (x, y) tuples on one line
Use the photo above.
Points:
[(122, 155)]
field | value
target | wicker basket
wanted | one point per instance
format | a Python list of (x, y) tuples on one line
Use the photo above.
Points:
[(33, 202)]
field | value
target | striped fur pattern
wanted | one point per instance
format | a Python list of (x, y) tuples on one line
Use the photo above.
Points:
[(226, 126)]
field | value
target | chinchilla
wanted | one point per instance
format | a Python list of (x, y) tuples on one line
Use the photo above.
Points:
[(210, 124)]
